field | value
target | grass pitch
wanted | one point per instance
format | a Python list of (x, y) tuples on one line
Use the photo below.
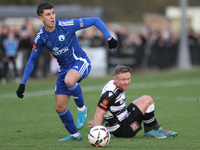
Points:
[(31, 123)]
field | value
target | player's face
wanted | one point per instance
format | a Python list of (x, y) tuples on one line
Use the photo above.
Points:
[(48, 19), (123, 80)]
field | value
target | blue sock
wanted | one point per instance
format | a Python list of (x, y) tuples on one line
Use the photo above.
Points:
[(68, 121), (77, 93)]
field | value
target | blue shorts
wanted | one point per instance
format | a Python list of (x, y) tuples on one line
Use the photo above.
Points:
[(83, 67)]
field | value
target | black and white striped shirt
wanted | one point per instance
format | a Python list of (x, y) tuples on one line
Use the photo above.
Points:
[(113, 101)]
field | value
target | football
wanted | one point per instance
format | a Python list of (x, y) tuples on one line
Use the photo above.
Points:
[(99, 136)]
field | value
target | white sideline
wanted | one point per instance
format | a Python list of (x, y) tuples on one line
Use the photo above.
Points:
[(99, 87)]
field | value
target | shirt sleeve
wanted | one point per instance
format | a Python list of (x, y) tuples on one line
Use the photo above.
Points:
[(108, 99), (29, 66), (83, 23), (36, 51)]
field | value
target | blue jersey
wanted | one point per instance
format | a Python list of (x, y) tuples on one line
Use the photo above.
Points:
[(62, 42)]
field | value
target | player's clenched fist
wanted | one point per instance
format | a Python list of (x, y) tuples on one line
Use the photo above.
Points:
[(20, 91), (112, 43)]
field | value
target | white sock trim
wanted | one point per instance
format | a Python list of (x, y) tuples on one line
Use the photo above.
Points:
[(75, 134), (82, 108), (150, 108)]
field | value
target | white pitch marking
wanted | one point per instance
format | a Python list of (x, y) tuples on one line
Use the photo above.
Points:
[(99, 87)]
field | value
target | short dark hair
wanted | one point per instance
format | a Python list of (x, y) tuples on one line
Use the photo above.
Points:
[(42, 6), (121, 69)]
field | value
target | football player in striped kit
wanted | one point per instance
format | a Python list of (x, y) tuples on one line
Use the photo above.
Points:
[(59, 37), (122, 121)]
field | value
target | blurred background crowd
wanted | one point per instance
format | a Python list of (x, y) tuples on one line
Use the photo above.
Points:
[(147, 47)]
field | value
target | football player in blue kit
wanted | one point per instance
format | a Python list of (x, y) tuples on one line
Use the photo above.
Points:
[(59, 37)]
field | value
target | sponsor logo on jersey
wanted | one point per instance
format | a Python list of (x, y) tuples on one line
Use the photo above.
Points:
[(34, 47), (56, 51), (104, 103), (55, 48), (61, 37), (66, 23), (134, 126), (80, 22)]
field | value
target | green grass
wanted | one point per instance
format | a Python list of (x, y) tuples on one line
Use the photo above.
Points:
[(31, 123)]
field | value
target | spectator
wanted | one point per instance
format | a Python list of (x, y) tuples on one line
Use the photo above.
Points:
[(25, 42), (10, 45), (1, 53), (172, 50), (193, 46)]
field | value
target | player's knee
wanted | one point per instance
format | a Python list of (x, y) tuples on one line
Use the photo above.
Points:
[(60, 108), (147, 99), (69, 82)]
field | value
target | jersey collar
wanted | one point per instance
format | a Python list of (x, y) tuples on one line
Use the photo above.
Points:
[(118, 87)]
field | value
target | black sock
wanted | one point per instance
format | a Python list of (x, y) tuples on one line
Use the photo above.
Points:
[(150, 122)]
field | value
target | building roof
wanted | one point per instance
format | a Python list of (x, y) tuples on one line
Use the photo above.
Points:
[(62, 11)]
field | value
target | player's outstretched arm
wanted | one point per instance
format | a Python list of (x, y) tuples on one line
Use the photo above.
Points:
[(98, 118), (28, 70), (97, 22)]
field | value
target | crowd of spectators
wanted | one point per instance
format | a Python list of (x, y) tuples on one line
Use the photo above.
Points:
[(145, 50), (15, 48), (149, 48)]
